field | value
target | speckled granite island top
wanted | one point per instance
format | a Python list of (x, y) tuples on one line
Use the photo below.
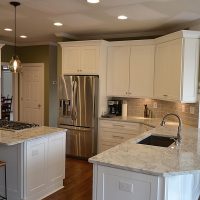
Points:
[(12, 138), (153, 160)]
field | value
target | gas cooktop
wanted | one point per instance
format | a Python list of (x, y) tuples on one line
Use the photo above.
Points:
[(15, 126)]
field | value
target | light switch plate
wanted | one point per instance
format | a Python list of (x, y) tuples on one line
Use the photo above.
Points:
[(192, 110), (183, 108), (155, 105)]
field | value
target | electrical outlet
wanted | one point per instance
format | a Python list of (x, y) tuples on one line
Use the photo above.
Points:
[(155, 105), (127, 187), (183, 108), (192, 110)]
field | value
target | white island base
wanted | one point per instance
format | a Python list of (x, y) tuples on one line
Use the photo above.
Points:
[(117, 184), (35, 168)]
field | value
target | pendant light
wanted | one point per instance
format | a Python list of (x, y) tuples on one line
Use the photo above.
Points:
[(15, 63)]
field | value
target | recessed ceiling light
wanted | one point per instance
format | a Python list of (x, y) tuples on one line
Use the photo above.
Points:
[(122, 17), (93, 1), (57, 24), (7, 29), (23, 36)]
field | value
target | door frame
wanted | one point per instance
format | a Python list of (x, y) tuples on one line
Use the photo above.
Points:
[(41, 65)]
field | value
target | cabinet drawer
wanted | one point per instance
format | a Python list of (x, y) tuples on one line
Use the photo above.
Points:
[(116, 136), (120, 125)]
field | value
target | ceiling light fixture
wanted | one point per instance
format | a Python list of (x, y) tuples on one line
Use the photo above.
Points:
[(7, 29), (122, 17), (57, 24), (15, 63), (23, 36), (93, 1)]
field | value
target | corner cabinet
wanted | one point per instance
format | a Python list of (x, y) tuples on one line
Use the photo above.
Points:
[(116, 184), (176, 70), (130, 69), (81, 57), (110, 183)]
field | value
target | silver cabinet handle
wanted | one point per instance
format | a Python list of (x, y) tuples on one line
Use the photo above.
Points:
[(119, 137), (118, 125)]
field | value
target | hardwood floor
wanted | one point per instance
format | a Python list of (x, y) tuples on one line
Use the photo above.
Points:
[(78, 182)]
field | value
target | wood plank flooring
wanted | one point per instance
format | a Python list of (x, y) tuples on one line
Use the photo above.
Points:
[(78, 182)]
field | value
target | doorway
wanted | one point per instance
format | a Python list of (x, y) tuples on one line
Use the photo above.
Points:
[(6, 93), (31, 93)]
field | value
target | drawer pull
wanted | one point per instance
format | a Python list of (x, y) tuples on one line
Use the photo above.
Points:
[(119, 137), (118, 125)]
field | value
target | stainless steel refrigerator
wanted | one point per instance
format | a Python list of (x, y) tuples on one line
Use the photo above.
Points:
[(78, 113)]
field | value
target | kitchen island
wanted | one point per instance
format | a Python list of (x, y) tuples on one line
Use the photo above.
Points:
[(132, 171), (35, 159)]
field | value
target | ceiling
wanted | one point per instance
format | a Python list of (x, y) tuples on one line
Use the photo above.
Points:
[(81, 20)]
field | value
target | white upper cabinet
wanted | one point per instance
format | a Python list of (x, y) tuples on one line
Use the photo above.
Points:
[(176, 69), (142, 71), (130, 69), (118, 70), (81, 57)]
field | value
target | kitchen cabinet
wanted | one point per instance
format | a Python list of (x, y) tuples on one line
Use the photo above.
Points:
[(118, 71), (176, 70), (142, 71), (36, 160), (82, 57), (130, 69), (111, 183), (113, 133), (116, 184)]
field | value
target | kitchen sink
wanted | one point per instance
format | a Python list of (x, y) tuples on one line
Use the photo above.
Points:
[(155, 140)]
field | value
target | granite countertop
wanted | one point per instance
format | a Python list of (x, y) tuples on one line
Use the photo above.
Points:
[(153, 160), (153, 122), (16, 137)]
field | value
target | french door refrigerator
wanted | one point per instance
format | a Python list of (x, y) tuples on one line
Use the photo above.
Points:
[(78, 113)]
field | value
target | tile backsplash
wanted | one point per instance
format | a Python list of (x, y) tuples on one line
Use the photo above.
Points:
[(136, 108)]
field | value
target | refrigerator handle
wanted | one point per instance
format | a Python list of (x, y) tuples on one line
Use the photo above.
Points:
[(73, 112), (75, 100)]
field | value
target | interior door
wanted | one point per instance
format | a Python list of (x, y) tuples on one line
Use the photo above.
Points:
[(32, 93)]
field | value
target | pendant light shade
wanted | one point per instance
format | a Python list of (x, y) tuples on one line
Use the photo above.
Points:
[(15, 63)]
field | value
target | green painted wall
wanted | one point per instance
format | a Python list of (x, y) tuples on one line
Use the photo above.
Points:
[(7, 52), (39, 54)]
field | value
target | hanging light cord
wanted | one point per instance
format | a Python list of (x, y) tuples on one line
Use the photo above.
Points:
[(15, 30)]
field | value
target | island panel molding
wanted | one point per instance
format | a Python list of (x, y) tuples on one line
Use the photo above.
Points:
[(35, 166)]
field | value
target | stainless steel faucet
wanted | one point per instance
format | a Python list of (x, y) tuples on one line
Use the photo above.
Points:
[(178, 140)]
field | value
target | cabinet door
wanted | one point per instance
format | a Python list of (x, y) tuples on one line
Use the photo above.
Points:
[(56, 158), (168, 66), (142, 71), (116, 184), (89, 59), (36, 165), (118, 70), (71, 60)]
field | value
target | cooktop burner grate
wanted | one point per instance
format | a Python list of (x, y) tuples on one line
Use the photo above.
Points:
[(13, 125)]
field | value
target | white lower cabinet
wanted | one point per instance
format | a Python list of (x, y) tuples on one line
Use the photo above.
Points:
[(44, 165), (116, 184), (35, 166), (113, 133)]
